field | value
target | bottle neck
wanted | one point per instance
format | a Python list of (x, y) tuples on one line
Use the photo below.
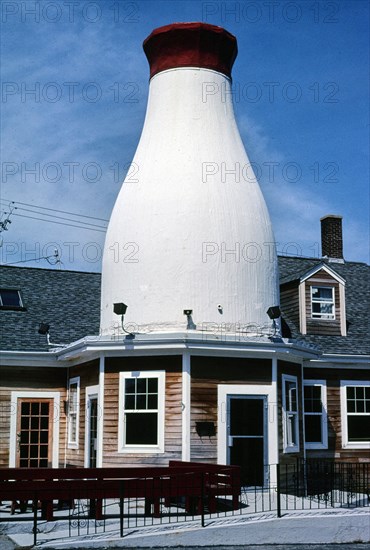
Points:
[(186, 97)]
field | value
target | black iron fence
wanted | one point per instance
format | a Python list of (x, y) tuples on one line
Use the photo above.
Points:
[(123, 505)]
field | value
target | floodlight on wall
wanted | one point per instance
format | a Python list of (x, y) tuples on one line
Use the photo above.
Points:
[(190, 323), (120, 308), (274, 313), (44, 330)]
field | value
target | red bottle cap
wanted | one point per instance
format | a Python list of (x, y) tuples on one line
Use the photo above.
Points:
[(190, 45)]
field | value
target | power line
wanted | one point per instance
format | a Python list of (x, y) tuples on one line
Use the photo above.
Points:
[(54, 216), (47, 258), (60, 223), (54, 210)]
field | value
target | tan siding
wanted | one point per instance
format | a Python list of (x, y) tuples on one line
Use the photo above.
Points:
[(333, 378), (89, 376), (29, 379), (292, 369), (320, 326), (173, 421), (207, 374), (289, 301)]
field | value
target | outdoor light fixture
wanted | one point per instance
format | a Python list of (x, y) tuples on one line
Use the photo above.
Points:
[(44, 330), (274, 312), (188, 312), (120, 309)]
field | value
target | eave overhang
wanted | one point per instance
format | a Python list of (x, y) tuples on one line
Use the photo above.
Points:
[(232, 345), (342, 361)]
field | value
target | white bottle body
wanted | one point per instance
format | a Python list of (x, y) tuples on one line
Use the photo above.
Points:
[(190, 228)]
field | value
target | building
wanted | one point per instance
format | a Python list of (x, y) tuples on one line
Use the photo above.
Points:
[(215, 373), (185, 352)]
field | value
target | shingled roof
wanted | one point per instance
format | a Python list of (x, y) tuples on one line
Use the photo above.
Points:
[(357, 278), (70, 302), (67, 300)]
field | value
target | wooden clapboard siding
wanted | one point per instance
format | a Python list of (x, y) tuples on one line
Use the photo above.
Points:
[(333, 378), (206, 374), (323, 326), (289, 302), (89, 376), (29, 379), (203, 408), (292, 369), (173, 397)]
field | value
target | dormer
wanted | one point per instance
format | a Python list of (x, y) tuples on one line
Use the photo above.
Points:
[(322, 307)]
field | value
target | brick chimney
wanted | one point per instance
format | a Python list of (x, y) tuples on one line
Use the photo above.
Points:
[(331, 236)]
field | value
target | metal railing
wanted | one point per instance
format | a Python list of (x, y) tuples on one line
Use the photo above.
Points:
[(183, 497)]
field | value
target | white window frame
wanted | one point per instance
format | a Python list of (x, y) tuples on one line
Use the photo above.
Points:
[(19, 306), (92, 392), (344, 415), (324, 415), (73, 416), (122, 446), (289, 416), (323, 316)]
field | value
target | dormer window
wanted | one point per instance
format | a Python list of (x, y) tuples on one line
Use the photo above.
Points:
[(322, 302), (11, 299)]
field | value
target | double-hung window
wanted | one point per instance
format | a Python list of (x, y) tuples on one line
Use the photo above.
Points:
[(355, 406), (141, 414), (315, 416), (73, 411), (290, 414), (322, 302)]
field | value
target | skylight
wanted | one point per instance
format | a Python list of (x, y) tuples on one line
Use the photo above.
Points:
[(10, 298)]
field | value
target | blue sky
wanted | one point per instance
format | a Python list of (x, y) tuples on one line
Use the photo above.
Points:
[(301, 101)]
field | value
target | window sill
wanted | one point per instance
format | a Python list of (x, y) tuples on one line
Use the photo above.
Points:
[(316, 446), (359, 445), (141, 450), (322, 319), (291, 450), (13, 308), (73, 446)]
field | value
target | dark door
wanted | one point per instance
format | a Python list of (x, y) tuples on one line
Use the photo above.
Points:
[(34, 433), (93, 430), (246, 436)]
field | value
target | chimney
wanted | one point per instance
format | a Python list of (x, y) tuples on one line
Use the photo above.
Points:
[(331, 236)]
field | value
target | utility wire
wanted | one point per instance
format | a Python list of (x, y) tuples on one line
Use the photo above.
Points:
[(102, 230), (47, 258), (54, 210), (54, 216)]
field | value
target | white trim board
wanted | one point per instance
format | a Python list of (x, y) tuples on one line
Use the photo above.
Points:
[(15, 395), (269, 391), (91, 392)]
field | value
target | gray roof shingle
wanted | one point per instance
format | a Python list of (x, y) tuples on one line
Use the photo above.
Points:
[(70, 302), (67, 300), (357, 290)]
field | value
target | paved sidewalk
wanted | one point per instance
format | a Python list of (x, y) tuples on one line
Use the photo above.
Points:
[(314, 527)]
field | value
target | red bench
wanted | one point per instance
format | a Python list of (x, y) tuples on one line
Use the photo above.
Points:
[(219, 480), (193, 481)]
